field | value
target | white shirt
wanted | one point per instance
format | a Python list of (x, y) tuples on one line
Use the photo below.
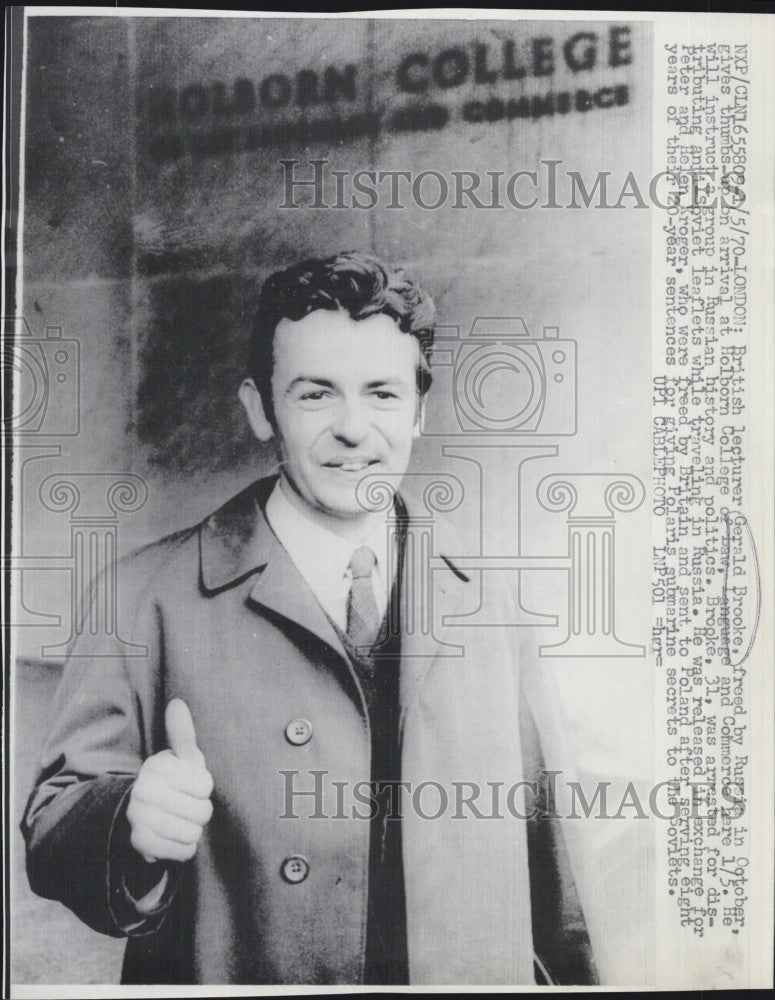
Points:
[(323, 558)]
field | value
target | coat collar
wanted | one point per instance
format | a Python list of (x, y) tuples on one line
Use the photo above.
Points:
[(237, 541)]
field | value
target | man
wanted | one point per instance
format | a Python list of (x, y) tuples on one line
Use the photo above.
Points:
[(200, 798)]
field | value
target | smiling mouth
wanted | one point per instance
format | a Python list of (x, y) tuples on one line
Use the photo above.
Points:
[(351, 464)]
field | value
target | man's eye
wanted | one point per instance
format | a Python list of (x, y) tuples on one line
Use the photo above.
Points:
[(385, 394), (313, 396)]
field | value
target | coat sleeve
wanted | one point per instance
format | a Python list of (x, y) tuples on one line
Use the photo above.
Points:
[(105, 725)]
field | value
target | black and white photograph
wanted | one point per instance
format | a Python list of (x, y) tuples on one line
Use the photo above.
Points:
[(388, 446)]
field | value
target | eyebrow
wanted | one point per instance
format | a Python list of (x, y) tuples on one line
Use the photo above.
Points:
[(300, 379), (327, 384), (385, 381)]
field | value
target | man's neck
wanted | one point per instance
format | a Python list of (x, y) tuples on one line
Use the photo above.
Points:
[(354, 529)]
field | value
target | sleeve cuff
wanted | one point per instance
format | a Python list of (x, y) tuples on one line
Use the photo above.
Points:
[(151, 900), (139, 892)]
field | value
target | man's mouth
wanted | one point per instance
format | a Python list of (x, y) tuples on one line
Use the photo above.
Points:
[(351, 464)]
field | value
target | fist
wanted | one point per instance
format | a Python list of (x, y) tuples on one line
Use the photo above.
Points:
[(169, 804)]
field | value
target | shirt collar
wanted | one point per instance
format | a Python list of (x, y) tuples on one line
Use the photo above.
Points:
[(321, 556)]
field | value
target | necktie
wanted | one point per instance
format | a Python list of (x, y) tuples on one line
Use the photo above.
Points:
[(363, 619)]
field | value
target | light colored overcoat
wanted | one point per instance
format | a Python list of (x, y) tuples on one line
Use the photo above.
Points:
[(222, 618)]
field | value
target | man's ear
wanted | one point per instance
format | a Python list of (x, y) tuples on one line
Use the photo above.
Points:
[(250, 398), (420, 417)]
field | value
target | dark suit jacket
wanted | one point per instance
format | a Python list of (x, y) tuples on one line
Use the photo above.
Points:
[(219, 616)]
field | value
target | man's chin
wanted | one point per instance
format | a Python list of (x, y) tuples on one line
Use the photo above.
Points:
[(345, 508), (349, 493)]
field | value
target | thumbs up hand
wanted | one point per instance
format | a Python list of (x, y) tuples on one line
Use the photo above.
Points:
[(180, 733), (169, 804)]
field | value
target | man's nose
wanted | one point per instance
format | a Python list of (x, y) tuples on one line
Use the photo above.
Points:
[(351, 424)]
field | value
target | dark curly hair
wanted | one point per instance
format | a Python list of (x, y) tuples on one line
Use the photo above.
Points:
[(357, 282)]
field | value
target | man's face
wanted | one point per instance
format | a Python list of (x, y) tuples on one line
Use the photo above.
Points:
[(346, 405)]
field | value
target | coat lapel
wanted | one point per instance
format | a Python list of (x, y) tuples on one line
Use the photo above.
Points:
[(283, 590), (236, 542)]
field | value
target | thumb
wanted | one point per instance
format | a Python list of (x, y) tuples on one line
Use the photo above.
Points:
[(181, 736)]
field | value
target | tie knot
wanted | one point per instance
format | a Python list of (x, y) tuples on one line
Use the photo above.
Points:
[(362, 562)]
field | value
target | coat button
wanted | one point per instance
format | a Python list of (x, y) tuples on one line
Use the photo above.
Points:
[(298, 732), (295, 869)]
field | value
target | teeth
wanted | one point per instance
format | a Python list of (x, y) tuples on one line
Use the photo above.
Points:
[(353, 466)]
